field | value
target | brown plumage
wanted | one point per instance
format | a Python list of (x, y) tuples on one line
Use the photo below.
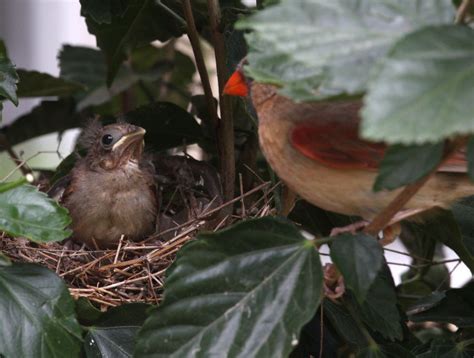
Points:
[(110, 192), (316, 150)]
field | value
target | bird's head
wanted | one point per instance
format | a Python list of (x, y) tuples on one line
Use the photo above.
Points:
[(240, 85), (115, 145)]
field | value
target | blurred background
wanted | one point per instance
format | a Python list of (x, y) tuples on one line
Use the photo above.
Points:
[(34, 31)]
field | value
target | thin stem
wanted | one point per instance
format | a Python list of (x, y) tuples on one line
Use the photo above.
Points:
[(21, 165), (226, 125), (171, 12), (200, 64), (463, 10)]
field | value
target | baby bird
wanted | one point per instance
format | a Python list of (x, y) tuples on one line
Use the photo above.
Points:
[(111, 191)]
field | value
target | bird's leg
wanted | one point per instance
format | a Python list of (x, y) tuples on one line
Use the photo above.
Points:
[(333, 282), (352, 228)]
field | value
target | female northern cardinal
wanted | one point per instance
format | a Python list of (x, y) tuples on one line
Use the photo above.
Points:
[(316, 150)]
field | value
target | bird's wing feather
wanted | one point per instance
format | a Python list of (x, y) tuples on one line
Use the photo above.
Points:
[(337, 144), (61, 188)]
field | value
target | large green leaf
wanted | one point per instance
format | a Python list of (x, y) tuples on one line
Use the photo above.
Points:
[(47, 117), (113, 335), (8, 76), (463, 212), (39, 84), (318, 48), (359, 258), (379, 311), (456, 306), (167, 125), (4, 260), (444, 228), (37, 313), (24, 211), (422, 92), (402, 165), (344, 323), (142, 22), (103, 11), (245, 291)]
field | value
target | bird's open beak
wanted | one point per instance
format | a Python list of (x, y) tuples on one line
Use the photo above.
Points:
[(237, 85), (130, 144)]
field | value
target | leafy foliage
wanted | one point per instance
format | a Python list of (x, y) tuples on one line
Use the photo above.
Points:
[(402, 165), (256, 283), (440, 56), (359, 258), (24, 211), (113, 333), (37, 312), (253, 289), (316, 49), (8, 76)]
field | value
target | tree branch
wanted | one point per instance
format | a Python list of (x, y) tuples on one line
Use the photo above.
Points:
[(226, 125), (463, 10), (200, 64)]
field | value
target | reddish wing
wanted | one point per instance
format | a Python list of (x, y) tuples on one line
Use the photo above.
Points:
[(337, 145)]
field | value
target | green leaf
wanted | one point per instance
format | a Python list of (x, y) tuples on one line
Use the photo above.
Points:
[(463, 212), (470, 158), (444, 348), (379, 311), (244, 291), (359, 258), (344, 323), (422, 91), (47, 117), (142, 22), (24, 211), (402, 165), (39, 84), (8, 76), (113, 335), (102, 11), (11, 185), (86, 313), (315, 48), (37, 313), (87, 66), (167, 125), (444, 228), (456, 306)]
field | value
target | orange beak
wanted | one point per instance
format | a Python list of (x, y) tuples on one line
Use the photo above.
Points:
[(236, 85)]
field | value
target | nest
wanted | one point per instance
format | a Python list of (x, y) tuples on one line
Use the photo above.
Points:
[(134, 271)]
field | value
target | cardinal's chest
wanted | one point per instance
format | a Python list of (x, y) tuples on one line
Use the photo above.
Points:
[(106, 204)]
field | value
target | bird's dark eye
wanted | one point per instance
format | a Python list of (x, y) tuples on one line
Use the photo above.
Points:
[(107, 139)]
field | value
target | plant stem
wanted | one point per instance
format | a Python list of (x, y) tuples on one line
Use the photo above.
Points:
[(384, 217), (200, 64), (463, 10), (226, 125)]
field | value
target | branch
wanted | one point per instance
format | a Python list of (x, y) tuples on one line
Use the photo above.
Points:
[(397, 204), (200, 64), (463, 10), (226, 125)]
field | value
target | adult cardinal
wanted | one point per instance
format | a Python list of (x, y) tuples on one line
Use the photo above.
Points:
[(316, 150)]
